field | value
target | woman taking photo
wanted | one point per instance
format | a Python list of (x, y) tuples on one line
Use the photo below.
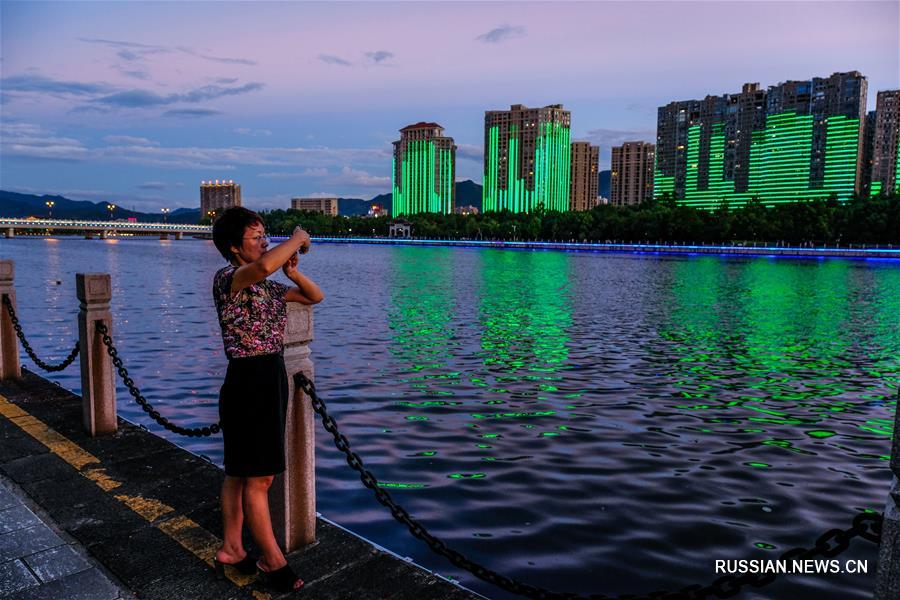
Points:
[(252, 313)]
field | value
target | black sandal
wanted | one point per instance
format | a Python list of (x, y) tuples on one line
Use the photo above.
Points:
[(246, 566), (281, 580)]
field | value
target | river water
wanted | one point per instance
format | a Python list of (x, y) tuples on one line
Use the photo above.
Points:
[(591, 423)]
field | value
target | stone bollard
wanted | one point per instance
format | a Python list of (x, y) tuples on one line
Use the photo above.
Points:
[(887, 580), (98, 386), (293, 494), (9, 346)]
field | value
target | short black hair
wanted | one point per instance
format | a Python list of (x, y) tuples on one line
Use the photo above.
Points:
[(228, 229)]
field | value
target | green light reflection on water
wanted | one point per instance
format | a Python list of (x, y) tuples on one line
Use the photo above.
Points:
[(401, 486), (467, 476), (797, 336), (519, 415)]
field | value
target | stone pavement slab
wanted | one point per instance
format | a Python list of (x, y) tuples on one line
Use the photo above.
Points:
[(37, 563)]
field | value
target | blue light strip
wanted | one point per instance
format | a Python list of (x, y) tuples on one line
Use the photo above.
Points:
[(690, 250)]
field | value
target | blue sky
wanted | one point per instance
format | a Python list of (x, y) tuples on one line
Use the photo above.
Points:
[(137, 102)]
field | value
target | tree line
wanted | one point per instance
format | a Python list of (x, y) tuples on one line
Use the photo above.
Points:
[(857, 221)]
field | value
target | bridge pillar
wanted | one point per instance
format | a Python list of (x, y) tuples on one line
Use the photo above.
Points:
[(164, 236), (103, 234), (10, 232), (89, 235), (9, 345), (179, 235), (98, 386), (293, 494)]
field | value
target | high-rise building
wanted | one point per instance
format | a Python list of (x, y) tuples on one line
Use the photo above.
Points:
[(631, 176), (527, 160), (424, 171), (216, 196), (868, 155), (327, 206), (798, 140), (585, 183), (886, 147)]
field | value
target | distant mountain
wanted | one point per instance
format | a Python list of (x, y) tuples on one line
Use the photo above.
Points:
[(604, 177), (468, 193), (13, 204), (349, 207)]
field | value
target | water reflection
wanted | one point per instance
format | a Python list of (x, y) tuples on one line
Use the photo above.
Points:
[(525, 314)]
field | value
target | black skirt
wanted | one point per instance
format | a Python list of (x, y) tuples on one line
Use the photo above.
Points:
[(252, 410)]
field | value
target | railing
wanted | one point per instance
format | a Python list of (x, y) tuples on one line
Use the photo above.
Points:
[(293, 509)]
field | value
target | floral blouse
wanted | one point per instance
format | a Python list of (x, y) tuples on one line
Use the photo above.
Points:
[(252, 320)]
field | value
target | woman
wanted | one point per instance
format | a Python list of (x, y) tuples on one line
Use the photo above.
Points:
[(253, 400)]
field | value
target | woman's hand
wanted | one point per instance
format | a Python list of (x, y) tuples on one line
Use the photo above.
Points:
[(301, 235), (290, 267)]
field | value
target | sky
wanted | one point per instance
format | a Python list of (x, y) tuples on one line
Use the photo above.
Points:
[(136, 103)]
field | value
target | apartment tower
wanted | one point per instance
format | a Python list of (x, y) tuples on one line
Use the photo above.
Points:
[(424, 171), (527, 158), (886, 146), (216, 196), (325, 206), (631, 179), (798, 140), (585, 184)]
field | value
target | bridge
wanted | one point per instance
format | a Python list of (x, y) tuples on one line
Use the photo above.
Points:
[(103, 228)]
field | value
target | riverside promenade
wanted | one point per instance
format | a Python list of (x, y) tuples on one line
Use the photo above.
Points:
[(129, 515)]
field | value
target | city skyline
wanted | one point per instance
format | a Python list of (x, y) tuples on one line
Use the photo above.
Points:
[(305, 99)]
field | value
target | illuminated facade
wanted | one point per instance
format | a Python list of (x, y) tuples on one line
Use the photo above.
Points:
[(424, 171), (216, 196), (799, 140), (585, 184), (886, 144), (527, 158)]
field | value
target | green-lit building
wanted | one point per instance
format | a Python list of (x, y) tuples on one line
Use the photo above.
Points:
[(798, 140), (527, 158), (424, 171), (885, 172)]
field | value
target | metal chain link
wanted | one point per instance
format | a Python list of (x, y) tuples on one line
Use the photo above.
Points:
[(139, 398), (865, 525), (28, 349)]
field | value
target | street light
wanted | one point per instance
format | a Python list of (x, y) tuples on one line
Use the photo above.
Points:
[(165, 213), (50, 204), (211, 214), (110, 208)]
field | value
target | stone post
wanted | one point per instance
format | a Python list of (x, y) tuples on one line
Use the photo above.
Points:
[(98, 385), (887, 580), (293, 494), (9, 345)]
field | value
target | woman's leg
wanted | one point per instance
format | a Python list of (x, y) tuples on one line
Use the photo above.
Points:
[(232, 549), (256, 508)]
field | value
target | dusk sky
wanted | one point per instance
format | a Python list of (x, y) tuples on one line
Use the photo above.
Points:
[(136, 102)]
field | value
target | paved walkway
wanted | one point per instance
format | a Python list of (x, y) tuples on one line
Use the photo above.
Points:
[(148, 512), (38, 561)]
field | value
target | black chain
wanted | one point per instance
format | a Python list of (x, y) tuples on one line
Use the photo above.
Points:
[(866, 525), (28, 349), (139, 398)]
